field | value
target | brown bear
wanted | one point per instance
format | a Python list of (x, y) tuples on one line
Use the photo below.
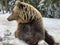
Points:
[(30, 25)]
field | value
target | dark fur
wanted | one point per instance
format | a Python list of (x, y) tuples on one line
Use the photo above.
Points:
[(49, 39), (30, 33)]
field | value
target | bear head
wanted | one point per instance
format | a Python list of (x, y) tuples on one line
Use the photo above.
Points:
[(17, 13)]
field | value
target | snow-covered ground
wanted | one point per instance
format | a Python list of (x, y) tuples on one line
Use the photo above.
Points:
[(51, 25)]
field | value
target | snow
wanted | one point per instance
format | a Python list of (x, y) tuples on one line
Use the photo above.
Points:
[(51, 25)]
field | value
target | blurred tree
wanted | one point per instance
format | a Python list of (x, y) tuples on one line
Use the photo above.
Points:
[(5, 5), (49, 7), (34, 3), (9, 4)]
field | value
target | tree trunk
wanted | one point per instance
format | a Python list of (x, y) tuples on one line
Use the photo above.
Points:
[(6, 5)]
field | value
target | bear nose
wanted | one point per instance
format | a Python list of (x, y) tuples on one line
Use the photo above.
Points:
[(8, 19)]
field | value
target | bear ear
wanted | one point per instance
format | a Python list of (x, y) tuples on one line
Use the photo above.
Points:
[(18, 3)]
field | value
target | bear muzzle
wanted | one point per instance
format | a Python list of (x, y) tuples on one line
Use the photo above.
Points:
[(9, 19)]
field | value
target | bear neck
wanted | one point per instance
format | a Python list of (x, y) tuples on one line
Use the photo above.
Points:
[(30, 22)]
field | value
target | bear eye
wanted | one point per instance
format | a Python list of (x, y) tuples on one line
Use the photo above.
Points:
[(25, 9), (21, 6)]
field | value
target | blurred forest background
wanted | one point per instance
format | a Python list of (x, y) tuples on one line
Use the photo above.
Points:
[(48, 8)]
